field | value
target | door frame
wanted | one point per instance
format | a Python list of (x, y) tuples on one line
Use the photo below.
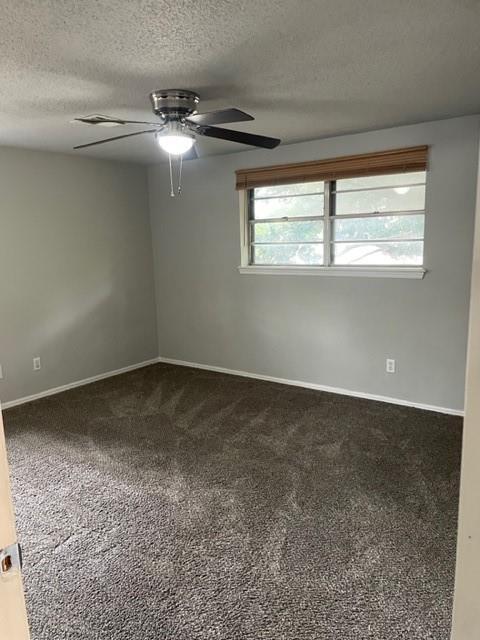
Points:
[(13, 615), (466, 609)]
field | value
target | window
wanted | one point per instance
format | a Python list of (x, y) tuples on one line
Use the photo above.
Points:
[(369, 222), (361, 214), (287, 224)]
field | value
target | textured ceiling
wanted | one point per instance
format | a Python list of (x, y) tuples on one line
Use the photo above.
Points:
[(304, 68)]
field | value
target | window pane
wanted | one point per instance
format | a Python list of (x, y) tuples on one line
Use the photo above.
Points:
[(288, 231), (379, 228), (382, 181), (382, 253), (288, 254), (290, 207), (396, 199), (289, 189)]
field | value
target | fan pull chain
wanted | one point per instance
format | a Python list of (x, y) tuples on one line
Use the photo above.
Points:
[(180, 176), (172, 192), (180, 166)]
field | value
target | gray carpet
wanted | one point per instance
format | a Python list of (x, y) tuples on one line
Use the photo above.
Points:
[(171, 503)]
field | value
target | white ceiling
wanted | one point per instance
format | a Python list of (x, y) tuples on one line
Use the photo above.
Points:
[(304, 68)]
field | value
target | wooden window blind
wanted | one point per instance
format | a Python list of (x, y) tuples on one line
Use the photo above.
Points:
[(366, 164)]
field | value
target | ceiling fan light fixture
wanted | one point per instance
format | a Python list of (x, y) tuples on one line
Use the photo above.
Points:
[(176, 144), (174, 140)]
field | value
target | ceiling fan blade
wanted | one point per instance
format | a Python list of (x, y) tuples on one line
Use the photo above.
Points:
[(223, 116), (127, 135), (240, 136), (112, 120)]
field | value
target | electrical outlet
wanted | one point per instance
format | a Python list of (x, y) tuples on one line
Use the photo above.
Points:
[(1, 372), (37, 365), (390, 365)]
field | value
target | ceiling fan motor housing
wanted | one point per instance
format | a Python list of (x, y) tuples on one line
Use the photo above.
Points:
[(174, 103)]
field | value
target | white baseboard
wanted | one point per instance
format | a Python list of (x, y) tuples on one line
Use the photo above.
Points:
[(312, 385), (245, 374), (78, 383)]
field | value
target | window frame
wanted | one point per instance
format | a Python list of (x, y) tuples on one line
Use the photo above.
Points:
[(246, 198)]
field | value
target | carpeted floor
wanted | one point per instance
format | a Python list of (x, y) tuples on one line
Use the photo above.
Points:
[(171, 503)]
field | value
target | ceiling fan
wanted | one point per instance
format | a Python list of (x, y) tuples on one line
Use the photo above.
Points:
[(179, 123)]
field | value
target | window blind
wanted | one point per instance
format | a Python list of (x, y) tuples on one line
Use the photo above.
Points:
[(366, 164)]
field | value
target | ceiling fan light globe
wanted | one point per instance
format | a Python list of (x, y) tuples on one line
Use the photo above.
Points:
[(175, 144)]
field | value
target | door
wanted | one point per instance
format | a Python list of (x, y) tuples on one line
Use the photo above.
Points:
[(13, 616)]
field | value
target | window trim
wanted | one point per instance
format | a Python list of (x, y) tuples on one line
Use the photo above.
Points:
[(411, 273), (327, 269)]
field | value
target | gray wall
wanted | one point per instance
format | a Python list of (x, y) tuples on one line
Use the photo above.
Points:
[(76, 280), (333, 331)]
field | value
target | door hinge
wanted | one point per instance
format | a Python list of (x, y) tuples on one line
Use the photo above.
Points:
[(10, 559)]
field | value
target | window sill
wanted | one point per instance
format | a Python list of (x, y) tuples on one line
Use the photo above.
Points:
[(416, 273)]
